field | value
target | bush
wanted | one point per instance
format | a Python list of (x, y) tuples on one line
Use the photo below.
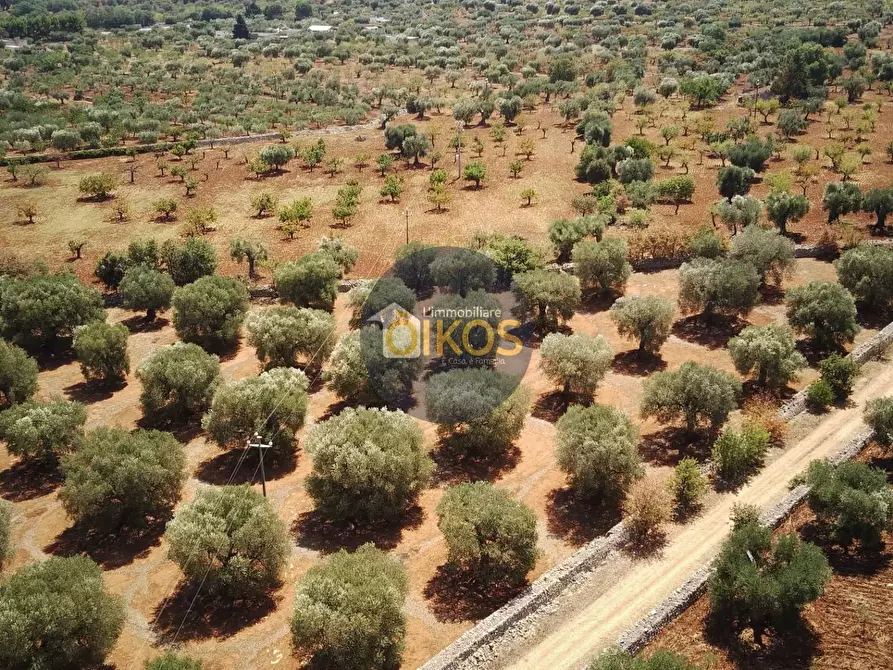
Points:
[(646, 318), (209, 312), (647, 507), (839, 372), (603, 265), (463, 270), (43, 430), (488, 531), (752, 154), (866, 271), (18, 375), (659, 660), (597, 449), (310, 281), (6, 550), (819, 395), (551, 298), (695, 393), (483, 410), (110, 269), (368, 464), (189, 262), (853, 499), (146, 289), (736, 454), (123, 477), (688, 485), (178, 379), (751, 566), (239, 519), (172, 661), (349, 610), (878, 414), (769, 252), (283, 334), (724, 286), (273, 404), (369, 299), (101, 350), (75, 625), (413, 265), (37, 311), (769, 353), (98, 186), (576, 362), (823, 311), (564, 234)]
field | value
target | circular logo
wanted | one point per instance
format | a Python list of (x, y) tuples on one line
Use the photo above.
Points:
[(445, 318)]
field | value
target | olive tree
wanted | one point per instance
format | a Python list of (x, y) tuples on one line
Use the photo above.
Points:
[(101, 350), (76, 624), (6, 549), (783, 208), (210, 311), (564, 234), (18, 375), (645, 318), (769, 353), (463, 270), (339, 251), (283, 335), (43, 431), (695, 393), (273, 404), (724, 286), (597, 447), (192, 260), (769, 252), (349, 610), (122, 477), (551, 298), (368, 464), (413, 265), (369, 298), (310, 281), (178, 379), (866, 271), (229, 539), (145, 288), (878, 414), (824, 311), (487, 531), (576, 362), (602, 265)]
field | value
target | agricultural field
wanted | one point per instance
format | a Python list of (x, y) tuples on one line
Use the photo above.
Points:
[(212, 455)]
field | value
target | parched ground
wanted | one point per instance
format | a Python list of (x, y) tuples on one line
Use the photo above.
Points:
[(850, 627)]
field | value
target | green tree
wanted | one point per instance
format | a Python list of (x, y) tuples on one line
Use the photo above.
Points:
[(866, 271), (644, 318), (264, 204), (178, 379), (171, 661), (310, 281), (733, 180), (339, 251), (6, 549), (878, 414), (782, 208), (694, 393), (277, 155), (724, 286), (101, 350), (252, 251), (575, 362), (98, 186), (463, 270), (768, 251), (476, 172), (551, 298), (688, 485), (144, 288), (295, 214), (189, 262), (43, 431), (603, 265), (824, 311), (878, 201), (18, 375), (659, 660), (736, 454), (413, 265), (841, 198), (564, 234), (283, 335), (210, 311), (769, 353)]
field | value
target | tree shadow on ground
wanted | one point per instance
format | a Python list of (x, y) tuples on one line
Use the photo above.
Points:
[(650, 545), (55, 357), (751, 389), (771, 294), (238, 466), (551, 406), (793, 648), (884, 463), (714, 333), (578, 520), (139, 324), (853, 561), (637, 363), (110, 549), (90, 392), (457, 593), (670, 445), (596, 301), (315, 530), (26, 480), (872, 319), (814, 355), (455, 464), (191, 615), (185, 429)]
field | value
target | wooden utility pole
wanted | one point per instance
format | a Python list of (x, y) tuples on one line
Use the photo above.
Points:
[(261, 447)]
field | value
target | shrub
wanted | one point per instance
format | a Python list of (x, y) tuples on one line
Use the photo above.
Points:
[(770, 253), (339, 251), (310, 281), (98, 186), (6, 549), (18, 374), (110, 269), (576, 362), (647, 507), (146, 289), (349, 610), (273, 404), (733, 180), (769, 353), (43, 430), (645, 318), (695, 393), (368, 464), (283, 334), (597, 449), (488, 531), (839, 372), (688, 485), (878, 414), (819, 395), (751, 154), (229, 539), (866, 271), (189, 262), (551, 298), (463, 270), (725, 286), (37, 311), (172, 661), (659, 660), (736, 454), (823, 311), (481, 409), (603, 265), (750, 566), (178, 379), (123, 477), (209, 312), (101, 350), (75, 625)]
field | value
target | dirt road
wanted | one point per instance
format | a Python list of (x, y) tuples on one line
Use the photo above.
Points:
[(577, 636)]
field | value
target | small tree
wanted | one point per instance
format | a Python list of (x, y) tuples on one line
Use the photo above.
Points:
[(726, 286), (769, 353), (866, 271), (178, 379), (210, 312), (463, 270), (823, 311), (597, 449), (736, 454), (251, 251), (144, 288), (476, 172), (101, 350), (276, 155), (644, 318), (187, 263), (576, 362), (488, 531), (264, 204), (767, 251), (647, 507), (230, 540), (43, 431), (550, 297), (368, 464), (688, 485), (393, 187), (110, 269), (122, 477), (603, 265), (782, 208), (98, 186), (273, 404), (339, 251), (695, 393), (295, 214), (28, 209), (732, 180), (841, 198), (878, 414), (18, 375), (529, 196), (283, 335), (76, 625), (310, 281), (366, 585), (566, 233)]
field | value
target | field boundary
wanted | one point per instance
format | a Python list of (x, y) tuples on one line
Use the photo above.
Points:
[(541, 592)]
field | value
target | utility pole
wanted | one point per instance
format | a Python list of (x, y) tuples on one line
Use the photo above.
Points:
[(406, 216), (261, 446)]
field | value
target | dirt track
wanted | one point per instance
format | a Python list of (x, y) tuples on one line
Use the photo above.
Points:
[(573, 637)]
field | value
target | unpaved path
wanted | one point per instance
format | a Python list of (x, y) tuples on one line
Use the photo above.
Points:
[(577, 636)]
